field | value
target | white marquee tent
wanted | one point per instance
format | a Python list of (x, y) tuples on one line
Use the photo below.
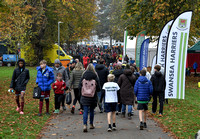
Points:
[(130, 49)]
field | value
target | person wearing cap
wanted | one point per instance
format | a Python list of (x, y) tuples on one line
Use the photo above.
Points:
[(73, 65), (94, 63), (58, 68)]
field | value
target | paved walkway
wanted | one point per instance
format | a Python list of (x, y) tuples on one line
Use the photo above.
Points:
[(67, 125)]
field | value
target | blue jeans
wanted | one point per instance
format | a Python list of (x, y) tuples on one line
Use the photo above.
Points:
[(85, 114), (129, 108), (100, 103)]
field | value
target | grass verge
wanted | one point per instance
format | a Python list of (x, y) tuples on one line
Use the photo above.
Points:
[(14, 125), (182, 117)]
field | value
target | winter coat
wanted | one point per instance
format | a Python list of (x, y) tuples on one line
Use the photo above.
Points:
[(127, 87), (143, 89), (102, 72), (158, 82), (20, 77), (59, 85), (117, 74), (75, 77), (89, 101), (62, 70), (44, 80), (195, 65)]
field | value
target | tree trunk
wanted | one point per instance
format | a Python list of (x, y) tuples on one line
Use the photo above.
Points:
[(110, 41)]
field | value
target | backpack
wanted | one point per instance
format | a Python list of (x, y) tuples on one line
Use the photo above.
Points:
[(88, 88)]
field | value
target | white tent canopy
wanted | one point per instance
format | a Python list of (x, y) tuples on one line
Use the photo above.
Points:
[(130, 49)]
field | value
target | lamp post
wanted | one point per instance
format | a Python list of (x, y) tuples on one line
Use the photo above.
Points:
[(59, 38)]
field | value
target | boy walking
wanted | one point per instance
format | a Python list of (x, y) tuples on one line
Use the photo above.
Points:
[(45, 77), (158, 82), (143, 89), (111, 100), (19, 81), (58, 86)]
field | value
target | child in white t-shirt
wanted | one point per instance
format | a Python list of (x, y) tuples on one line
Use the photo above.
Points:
[(111, 100)]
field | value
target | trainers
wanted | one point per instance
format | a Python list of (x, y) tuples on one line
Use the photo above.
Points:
[(132, 113), (123, 114), (17, 109), (153, 113), (21, 112), (160, 115), (109, 129), (56, 111), (72, 110), (64, 108), (92, 126), (84, 128), (39, 114), (47, 113), (117, 113), (129, 116), (145, 125), (141, 125), (114, 128)]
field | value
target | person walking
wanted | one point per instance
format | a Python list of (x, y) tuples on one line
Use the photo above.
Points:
[(195, 66), (85, 61), (58, 68), (126, 83), (111, 99), (143, 90), (89, 86), (118, 72), (58, 86), (45, 77), (75, 77), (19, 81), (148, 75), (102, 73), (159, 84)]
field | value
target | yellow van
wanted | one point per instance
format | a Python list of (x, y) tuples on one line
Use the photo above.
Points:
[(52, 55)]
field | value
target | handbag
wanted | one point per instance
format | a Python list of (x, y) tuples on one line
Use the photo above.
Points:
[(19, 76), (37, 92), (68, 98)]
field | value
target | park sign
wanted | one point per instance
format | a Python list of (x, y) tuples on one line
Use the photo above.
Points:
[(144, 54), (176, 56), (162, 44), (139, 40)]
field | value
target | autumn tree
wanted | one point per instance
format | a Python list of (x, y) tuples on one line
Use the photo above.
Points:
[(151, 15), (37, 22)]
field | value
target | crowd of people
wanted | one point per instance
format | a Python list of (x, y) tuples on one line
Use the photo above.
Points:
[(97, 78)]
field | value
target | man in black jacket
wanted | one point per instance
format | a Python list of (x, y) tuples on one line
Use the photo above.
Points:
[(159, 84), (19, 81), (102, 72)]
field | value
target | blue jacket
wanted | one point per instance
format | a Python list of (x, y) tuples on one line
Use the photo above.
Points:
[(143, 89), (195, 65), (44, 80)]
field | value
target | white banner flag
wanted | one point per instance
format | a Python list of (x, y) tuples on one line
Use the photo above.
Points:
[(125, 44), (162, 44), (177, 45), (153, 65)]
